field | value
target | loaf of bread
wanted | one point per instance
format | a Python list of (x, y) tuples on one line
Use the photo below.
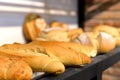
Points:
[(54, 35), (87, 39), (40, 23), (110, 30), (13, 68), (88, 50), (33, 25), (61, 25), (73, 33), (67, 56), (106, 28), (100, 41), (30, 31), (35, 56), (106, 42)]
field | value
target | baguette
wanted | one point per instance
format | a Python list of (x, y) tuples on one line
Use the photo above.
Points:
[(88, 50), (110, 30), (100, 41), (13, 68), (32, 26), (30, 31), (106, 42), (67, 56), (87, 39), (61, 25), (35, 56), (54, 35), (73, 33), (40, 23)]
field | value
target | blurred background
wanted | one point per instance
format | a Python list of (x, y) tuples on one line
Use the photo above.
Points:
[(104, 12), (13, 12)]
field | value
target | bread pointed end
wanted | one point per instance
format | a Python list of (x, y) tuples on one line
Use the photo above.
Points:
[(85, 59), (55, 66)]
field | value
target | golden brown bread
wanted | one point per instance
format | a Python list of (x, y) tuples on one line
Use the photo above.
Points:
[(33, 25), (54, 35), (30, 31), (110, 30), (73, 33), (93, 38), (89, 43), (100, 41), (67, 56), (40, 23), (62, 25), (88, 50), (13, 68), (106, 28), (35, 56), (118, 38), (106, 42)]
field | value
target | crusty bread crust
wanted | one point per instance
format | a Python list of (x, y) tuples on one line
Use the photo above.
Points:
[(35, 56), (86, 49), (113, 31), (13, 68)]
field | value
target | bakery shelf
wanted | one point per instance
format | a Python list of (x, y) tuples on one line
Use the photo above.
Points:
[(92, 71)]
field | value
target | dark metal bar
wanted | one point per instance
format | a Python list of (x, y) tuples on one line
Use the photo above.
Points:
[(81, 13), (98, 76)]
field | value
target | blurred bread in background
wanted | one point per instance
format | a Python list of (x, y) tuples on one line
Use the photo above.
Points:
[(61, 25)]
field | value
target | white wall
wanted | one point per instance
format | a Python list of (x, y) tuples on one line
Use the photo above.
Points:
[(13, 12), (11, 35)]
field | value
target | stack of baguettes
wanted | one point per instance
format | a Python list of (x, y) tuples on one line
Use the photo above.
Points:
[(51, 49), (39, 56)]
